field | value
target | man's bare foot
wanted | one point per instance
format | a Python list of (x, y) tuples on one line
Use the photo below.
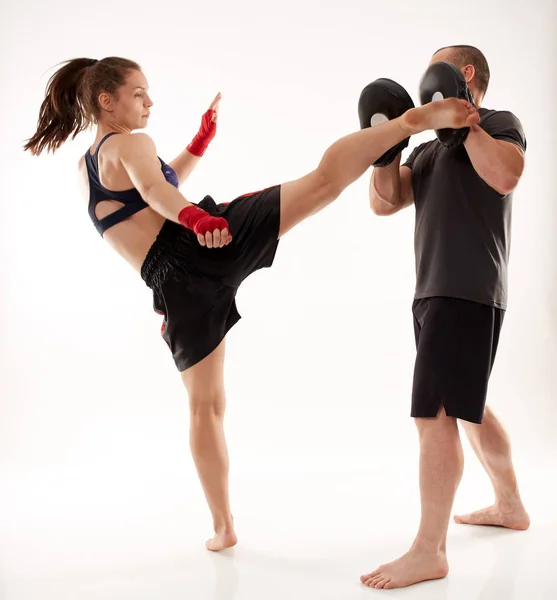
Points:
[(413, 567), (451, 113), (226, 538), (512, 516)]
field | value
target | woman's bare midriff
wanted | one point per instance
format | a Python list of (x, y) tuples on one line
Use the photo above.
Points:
[(133, 237)]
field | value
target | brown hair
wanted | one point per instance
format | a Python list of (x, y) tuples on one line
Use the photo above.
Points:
[(470, 55), (71, 102)]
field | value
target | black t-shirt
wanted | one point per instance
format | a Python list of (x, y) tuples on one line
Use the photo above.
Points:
[(463, 226)]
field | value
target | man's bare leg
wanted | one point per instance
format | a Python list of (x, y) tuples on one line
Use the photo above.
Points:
[(492, 446), (441, 466)]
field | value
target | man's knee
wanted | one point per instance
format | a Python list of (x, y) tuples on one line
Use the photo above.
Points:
[(439, 423)]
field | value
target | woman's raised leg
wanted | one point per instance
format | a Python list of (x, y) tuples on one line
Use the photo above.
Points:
[(349, 158)]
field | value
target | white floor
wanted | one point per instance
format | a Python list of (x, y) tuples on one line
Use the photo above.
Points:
[(82, 534)]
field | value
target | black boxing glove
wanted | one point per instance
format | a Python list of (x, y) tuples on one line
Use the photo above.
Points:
[(381, 101), (445, 80)]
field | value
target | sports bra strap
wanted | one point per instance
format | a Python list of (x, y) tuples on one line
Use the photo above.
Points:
[(103, 141), (119, 215)]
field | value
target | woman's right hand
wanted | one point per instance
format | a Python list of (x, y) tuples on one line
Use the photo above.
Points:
[(211, 232), (218, 239)]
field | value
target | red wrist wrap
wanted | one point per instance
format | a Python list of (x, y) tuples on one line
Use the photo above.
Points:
[(205, 135), (200, 222)]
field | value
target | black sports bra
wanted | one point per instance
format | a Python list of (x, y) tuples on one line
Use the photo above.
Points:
[(131, 199)]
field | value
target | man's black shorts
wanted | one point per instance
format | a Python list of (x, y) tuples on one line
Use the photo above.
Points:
[(456, 345)]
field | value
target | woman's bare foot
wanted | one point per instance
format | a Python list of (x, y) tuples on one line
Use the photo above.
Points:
[(224, 538), (413, 567), (451, 113), (512, 516)]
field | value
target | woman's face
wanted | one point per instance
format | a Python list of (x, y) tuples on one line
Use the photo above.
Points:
[(130, 107)]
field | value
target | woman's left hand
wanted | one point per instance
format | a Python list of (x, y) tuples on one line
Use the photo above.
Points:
[(207, 130)]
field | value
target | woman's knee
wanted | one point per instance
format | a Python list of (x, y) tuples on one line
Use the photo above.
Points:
[(207, 403), (328, 186)]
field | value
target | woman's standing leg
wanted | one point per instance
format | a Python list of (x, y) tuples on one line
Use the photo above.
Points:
[(205, 385)]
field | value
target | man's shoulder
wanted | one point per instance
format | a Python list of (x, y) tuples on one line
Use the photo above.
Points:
[(503, 124), (504, 115)]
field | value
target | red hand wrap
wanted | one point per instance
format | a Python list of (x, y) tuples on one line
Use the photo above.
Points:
[(204, 136), (199, 221)]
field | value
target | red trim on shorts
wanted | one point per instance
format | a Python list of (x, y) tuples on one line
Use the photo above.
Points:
[(257, 192), (163, 326)]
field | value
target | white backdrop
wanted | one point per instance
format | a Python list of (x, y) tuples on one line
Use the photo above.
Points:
[(319, 370)]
